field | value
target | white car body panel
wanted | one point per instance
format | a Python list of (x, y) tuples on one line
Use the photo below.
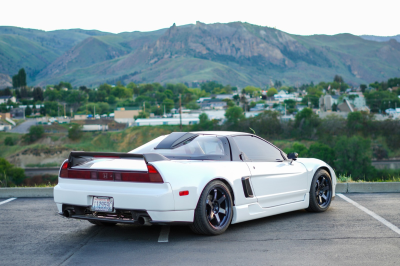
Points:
[(278, 183), (278, 187)]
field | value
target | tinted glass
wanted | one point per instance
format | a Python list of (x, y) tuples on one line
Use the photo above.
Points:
[(257, 149), (202, 148)]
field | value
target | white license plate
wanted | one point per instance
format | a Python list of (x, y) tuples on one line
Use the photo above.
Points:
[(103, 204)]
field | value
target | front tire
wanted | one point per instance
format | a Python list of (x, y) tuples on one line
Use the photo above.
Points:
[(320, 192), (213, 213)]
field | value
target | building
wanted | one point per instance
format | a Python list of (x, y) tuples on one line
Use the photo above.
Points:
[(345, 106), (213, 104), (3, 116), (124, 115), (282, 96), (5, 99), (165, 121)]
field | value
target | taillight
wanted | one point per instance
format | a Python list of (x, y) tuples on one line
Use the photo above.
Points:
[(152, 175), (64, 170)]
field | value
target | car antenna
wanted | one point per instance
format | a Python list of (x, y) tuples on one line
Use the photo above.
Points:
[(253, 131)]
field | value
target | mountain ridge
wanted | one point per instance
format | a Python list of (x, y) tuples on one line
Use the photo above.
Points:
[(236, 53)]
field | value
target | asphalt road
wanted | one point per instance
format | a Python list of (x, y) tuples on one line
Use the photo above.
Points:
[(31, 233), (23, 128)]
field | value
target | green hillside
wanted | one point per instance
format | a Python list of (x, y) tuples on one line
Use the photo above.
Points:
[(233, 53)]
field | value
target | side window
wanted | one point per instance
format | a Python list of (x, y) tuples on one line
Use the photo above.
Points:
[(257, 149)]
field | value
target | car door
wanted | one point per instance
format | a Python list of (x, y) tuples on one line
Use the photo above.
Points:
[(275, 181)]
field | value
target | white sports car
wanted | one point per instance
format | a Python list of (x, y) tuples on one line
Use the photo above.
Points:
[(207, 180)]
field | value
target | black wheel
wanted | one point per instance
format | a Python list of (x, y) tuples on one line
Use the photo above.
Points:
[(320, 192), (102, 223), (213, 213)]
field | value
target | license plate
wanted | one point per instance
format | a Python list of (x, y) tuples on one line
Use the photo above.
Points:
[(103, 204)]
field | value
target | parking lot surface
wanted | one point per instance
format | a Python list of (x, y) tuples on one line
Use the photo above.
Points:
[(32, 233)]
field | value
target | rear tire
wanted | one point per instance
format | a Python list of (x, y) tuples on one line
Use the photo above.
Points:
[(320, 192), (99, 223), (213, 213)]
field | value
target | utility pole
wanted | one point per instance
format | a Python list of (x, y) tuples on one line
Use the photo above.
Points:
[(164, 110), (180, 111), (58, 112), (144, 107), (285, 109), (94, 110), (64, 111)]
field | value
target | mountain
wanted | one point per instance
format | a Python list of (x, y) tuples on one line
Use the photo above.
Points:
[(380, 38), (5, 81), (234, 53), (36, 49)]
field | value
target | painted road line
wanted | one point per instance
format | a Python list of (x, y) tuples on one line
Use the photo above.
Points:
[(3, 202), (164, 234), (376, 216)]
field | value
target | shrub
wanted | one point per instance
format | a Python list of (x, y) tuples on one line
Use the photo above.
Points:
[(9, 141), (10, 175), (75, 132), (353, 157), (35, 133)]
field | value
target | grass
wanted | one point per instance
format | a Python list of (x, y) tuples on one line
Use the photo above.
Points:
[(44, 165)]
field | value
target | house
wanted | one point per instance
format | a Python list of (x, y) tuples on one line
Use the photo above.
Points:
[(5, 99), (282, 95), (125, 115), (166, 121), (3, 116), (258, 107), (345, 106), (213, 104)]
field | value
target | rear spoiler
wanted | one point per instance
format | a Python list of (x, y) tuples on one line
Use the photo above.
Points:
[(80, 157)]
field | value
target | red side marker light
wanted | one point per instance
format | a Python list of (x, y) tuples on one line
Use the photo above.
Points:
[(184, 193)]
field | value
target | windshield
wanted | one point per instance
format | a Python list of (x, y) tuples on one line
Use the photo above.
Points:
[(203, 147)]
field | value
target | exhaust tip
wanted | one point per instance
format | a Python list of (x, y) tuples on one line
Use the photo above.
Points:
[(143, 220), (67, 213)]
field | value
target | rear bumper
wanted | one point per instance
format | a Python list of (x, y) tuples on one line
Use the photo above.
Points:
[(151, 199), (164, 218)]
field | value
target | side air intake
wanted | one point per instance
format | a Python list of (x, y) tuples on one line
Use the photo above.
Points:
[(248, 192)]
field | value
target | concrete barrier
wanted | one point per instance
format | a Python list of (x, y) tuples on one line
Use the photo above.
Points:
[(365, 187), (373, 187), (26, 192), (341, 187)]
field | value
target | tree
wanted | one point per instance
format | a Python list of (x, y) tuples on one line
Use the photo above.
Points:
[(38, 94), (10, 175), (299, 148), (338, 79), (169, 104), (234, 114), (322, 152), (35, 133), (28, 111), (306, 123), (75, 132), (363, 87), (353, 157), (19, 80), (271, 92)]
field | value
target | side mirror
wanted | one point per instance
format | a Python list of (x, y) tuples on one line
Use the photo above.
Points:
[(293, 156)]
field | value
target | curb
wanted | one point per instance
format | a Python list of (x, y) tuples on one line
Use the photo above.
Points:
[(26, 192), (367, 187)]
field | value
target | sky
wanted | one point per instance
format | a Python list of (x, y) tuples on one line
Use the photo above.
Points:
[(303, 17)]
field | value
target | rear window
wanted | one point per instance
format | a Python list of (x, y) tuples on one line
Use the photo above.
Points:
[(203, 147)]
